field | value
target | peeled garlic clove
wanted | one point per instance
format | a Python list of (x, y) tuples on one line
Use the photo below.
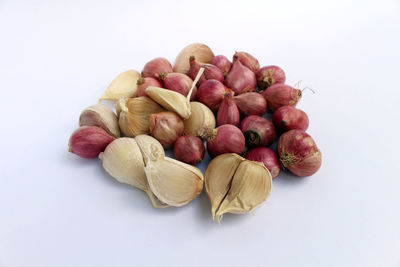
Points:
[(202, 52), (135, 113), (124, 85), (150, 147), (123, 160), (250, 186), (200, 121), (173, 182), (218, 177), (170, 100), (100, 116)]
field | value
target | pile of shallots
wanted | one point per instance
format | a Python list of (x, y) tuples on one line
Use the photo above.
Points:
[(205, 103)]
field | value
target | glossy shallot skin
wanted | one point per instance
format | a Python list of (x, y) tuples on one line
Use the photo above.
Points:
[(298, 152)]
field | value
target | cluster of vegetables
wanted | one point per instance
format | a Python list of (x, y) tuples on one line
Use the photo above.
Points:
[(201, 99)]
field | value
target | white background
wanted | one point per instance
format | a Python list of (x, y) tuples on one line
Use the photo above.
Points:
[(57, 57)]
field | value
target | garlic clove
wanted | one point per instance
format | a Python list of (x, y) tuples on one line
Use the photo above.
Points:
[(170, 100), (101, 116), (135, 113), (123, 160), (124, 85), (173, 182), (150, 147), (218, 177), (202, 52), (174, 101), (251, 185), (200, 121)]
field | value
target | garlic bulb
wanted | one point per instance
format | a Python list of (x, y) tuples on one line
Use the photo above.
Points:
[(135, 113), (100, 116), (202, 53), (123, 160), (200, 121), (236, 185), (124, 85), (173, 182)]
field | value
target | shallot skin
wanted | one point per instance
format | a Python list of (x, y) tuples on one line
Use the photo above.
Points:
[(279, 95), (248, 61), (258, 131), (270, 75), (240, 78), (288, 118), (228, 112), (210, 71), (223, 63), (226, 138), (155, 67), (211, 93), (180, 83), (251, 103), (298, 152), (267, 156), (189, 149)]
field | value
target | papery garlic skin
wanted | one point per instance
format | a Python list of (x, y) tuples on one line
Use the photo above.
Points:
[(100, 116), (200, 121), (150, 147), (236, 185), (135, 113), (251, 186), (173, 182), (123, 160), (218, 178), (123, 86), (170, 100)]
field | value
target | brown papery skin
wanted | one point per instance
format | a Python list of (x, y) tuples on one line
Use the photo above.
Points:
[(166, 127), (251, 103), (298, 152), (258, 131), (210, 71), (145, 82), (155, 67), (267, 156), (228, 112), (189, 149), (288, 118), (180, 83), (225, 139), (223, 63), (211, 93), (270, 75), (248, 61), (89, 141), (240, 78), (279, 95)]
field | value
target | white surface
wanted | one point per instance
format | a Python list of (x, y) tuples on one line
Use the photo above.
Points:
[(57, 57)]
